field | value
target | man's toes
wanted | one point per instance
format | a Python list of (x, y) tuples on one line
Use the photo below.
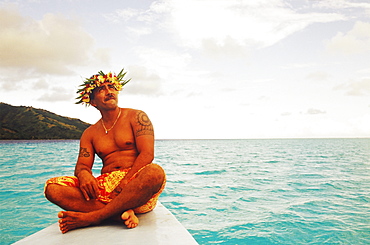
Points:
[(61, 214), (63, 228), (125, 216), (130, 219), (130, 223)]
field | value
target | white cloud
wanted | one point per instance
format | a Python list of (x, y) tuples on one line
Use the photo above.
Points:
[(41, 84), (286, 114), (354, 41), (356, 88), (122, 15), (56, 94), (252, 23), (224, 24), (145, 81), (318, 76), (163, 62), (344, 5), (141, 21), (47, 46), (313, 111), (230, 48)]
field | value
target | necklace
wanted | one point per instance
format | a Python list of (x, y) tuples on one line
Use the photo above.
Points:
[(109, 129)]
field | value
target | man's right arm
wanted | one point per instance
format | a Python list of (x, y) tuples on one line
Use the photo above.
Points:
[(88, 184)]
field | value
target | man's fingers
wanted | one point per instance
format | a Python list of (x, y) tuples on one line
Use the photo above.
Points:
[(93, 190), (90, 189), (96, 190), (84, 193)]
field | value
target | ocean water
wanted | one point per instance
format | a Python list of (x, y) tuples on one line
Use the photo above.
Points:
[(278, 191)]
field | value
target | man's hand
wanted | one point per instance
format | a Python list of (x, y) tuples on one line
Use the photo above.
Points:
[(89, 185)]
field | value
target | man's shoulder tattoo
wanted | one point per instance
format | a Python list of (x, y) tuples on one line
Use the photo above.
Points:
[(84, 152), (143, 124)]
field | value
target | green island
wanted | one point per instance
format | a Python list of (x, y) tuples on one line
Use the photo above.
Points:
[(28, 123)]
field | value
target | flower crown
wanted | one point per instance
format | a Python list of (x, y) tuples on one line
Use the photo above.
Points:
[(98, 80)]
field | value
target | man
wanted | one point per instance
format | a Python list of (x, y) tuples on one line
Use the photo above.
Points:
[(124, 139)]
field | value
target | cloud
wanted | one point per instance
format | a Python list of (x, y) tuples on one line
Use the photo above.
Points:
[(356, 88), (216, 25), (122, 15), (249, 23), (230, 48), (145, 81), (284, 114), (41, 84), (353, 8), (313, 111), (141, 22), (56, 94), (354, 41), (317, 76), (299, 66), (170, 64), (47, 46)]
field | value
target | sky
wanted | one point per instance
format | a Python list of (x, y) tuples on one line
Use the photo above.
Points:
[(200, 69)]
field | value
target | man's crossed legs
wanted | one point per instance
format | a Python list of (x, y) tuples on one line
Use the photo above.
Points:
[(140, 195)]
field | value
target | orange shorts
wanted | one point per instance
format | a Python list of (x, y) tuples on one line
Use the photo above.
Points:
[(109, 181)]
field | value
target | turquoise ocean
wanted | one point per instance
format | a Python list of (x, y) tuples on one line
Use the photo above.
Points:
[(268, 191)]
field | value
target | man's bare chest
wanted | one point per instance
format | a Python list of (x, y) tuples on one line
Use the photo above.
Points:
[(119, 139)]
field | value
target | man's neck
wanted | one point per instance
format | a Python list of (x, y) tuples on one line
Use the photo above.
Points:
[(109, 116)]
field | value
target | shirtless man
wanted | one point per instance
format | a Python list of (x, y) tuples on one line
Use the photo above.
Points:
[(124, 139)]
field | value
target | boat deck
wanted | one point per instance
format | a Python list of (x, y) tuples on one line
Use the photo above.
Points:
[(159, 226)]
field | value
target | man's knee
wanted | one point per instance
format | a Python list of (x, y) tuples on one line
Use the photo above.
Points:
[(52, 191), (156, 176), (156, 172)]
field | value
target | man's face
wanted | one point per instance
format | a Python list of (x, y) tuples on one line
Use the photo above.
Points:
[(105, 96)]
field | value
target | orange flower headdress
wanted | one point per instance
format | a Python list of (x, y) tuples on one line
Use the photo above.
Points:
[(98, 80)]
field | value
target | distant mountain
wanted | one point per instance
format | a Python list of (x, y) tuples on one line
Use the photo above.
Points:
[(21, 122)]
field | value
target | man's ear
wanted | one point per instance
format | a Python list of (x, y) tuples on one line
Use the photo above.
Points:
[(92, 103)]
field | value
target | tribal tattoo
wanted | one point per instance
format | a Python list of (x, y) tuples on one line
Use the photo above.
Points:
[(84, 152), (144, 125)]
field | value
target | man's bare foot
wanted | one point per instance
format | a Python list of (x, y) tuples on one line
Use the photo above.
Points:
[(69, 220), (131, 220)]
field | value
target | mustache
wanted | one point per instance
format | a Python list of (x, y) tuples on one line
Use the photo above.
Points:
[(109, 96)]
